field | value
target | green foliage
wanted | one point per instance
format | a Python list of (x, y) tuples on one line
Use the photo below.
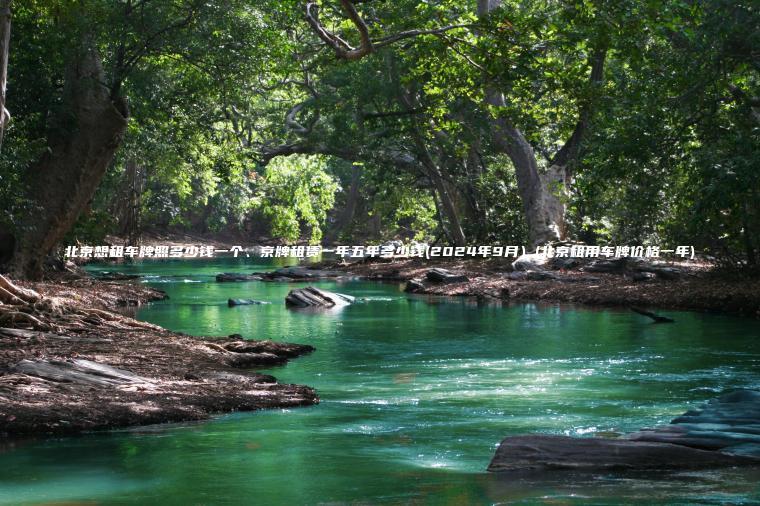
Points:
[(670, 156), (295, 194)]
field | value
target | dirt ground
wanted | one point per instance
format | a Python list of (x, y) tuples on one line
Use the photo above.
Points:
[(162, 376)]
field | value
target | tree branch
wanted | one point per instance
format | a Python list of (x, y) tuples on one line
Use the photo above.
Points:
[(569, 151), (344, 50)]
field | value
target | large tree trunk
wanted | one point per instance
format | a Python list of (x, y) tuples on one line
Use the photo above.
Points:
[(89, 128), (347, 215), (5, 40), (541, 194)]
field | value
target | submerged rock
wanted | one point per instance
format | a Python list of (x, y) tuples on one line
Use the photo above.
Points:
[(227, 277), (445, 276), (245, 302), (544, 452), (314, 297), (723, 432), (297, 274)]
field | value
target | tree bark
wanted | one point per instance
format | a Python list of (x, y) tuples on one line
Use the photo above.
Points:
[(347, 215), (81, 143), (541, 194), (5, 40)]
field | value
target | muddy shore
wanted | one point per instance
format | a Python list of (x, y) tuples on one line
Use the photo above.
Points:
[(93, 368)]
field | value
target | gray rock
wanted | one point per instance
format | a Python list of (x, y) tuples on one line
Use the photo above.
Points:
[(227, 277), (414, 286), (314, 297), (529, 262), (544, 452), (445, 276), (297, 274)]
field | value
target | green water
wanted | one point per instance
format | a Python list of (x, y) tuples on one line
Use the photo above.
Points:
[(415, 395)]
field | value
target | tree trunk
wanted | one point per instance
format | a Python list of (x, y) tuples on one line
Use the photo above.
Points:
[(347, 215), (541, 194), (5, 40), (88, 130)]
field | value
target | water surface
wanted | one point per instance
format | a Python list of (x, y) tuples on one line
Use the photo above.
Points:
[(415, 395)]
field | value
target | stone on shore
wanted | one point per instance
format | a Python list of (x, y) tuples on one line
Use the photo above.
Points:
[(445, 276), (314, 297), (530, 262)]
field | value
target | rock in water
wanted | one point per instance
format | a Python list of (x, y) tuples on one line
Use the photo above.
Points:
[(445, 276), (314, 297), (227, 277), (729, 424), (297, 274), (723, 432), (414, 286), (244, 302), (520, 453)]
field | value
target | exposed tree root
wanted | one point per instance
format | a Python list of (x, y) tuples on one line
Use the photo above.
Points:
[(26, 309)]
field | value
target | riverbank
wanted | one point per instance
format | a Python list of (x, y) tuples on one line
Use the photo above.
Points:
[(71, 362), (695, 288)]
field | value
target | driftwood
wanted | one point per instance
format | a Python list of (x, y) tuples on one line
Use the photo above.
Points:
[(22, 308), (78, 371), (656, 318)]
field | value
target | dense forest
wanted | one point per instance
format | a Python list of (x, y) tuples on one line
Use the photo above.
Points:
[(461, 122)]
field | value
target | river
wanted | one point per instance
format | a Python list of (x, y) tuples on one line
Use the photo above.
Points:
[(416, 394)]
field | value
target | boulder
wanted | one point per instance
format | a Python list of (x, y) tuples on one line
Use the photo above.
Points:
[(730, 424), (530, 262), (228, 277), (414, 286), (723, 432), (544, 452), (444, 276), (314, 297), (244, 302)]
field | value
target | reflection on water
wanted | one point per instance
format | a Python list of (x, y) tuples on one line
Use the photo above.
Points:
[(415, 397)]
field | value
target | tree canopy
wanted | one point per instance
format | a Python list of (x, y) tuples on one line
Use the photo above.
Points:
[(506, 122)]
